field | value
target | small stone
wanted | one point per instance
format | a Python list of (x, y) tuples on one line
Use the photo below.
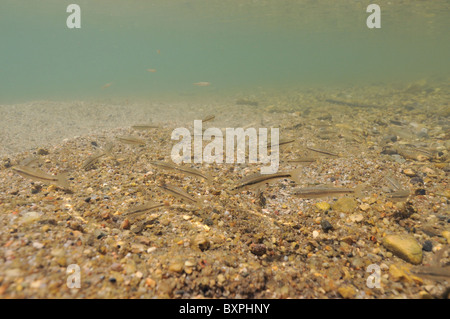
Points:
[(176, 267), (364, 207), (38, 245), (220, 279), (405, 247), (347, 292), (42, 151), (201, 242), (427, 245), (323, 206), (125, 224), (356, 218), (326, 225), (446, 235), (345, 205), (315, 234), (258, 249), (409, 172)]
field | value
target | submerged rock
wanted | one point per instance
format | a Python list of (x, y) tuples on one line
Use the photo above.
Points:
[(405, 247)]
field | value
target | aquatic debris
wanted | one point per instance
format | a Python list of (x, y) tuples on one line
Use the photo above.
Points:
[(209, 118), (179, 193), (322, 151), (188, 171), (143, 127), (131, 140), (202, 84), (324, 191), (38, 175), (258, 179), (142, 209)]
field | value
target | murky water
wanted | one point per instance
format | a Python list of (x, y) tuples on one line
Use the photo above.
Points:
[(234, 45)]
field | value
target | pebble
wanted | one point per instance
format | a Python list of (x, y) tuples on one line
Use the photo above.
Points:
[(323, 206), (315, 234), (201, 242), (176, 267), (258, 249), (404, 246), (326, 225), (409, 172), (347, 292), (446, 235), (345, 205), (427, 245)]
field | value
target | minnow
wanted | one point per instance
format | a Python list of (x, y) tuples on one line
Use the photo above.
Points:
[(258, 178), (321, 151), (209, 118), (283, 142), (151, 70), (93, 158), (38, 175), (144, 127), (177, 192), (302, 160), (400, 194), (189, 171), (142, 209), (131, 140), (322, 191)]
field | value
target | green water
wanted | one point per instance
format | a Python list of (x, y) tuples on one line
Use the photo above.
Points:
[(234, 45)]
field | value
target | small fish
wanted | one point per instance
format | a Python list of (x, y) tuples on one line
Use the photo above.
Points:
[(323, 191), (202, 84), (401, 194), (158, 51), (38, 175), (189, 171), (142, 208), (284, 142), (131, 140), (142, 127), (322, 151), (107, 85), (151, 70), (302, 160), (209, 118), (177, 192), (258, 179), (94, 158)]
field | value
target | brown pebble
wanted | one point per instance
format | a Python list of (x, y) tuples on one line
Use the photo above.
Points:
[(125, 224), (258, 249)]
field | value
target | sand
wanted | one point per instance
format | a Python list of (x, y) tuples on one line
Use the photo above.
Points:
[(262, 242)]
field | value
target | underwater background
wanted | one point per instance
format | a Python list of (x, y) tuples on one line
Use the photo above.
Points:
[(157, 49)]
